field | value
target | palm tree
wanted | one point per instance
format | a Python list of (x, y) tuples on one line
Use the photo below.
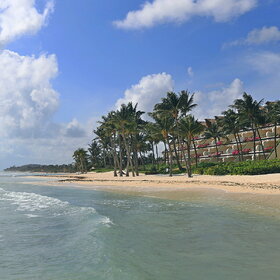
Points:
[(250, 110), (81, 160), (164, 125), (127, 121), (176, 106), (231, 125), (106, 132), (214, 131), (189, 127), (273, 116), (95, 151)]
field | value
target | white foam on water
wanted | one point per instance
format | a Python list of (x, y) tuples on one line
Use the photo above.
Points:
[(31, 216), (106, 221), (31, 201)]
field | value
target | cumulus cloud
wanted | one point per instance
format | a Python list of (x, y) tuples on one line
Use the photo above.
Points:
[(213, 103), (260, 36), (26, 94), (20, 17), (162, 11), (74, 129), (148, 91)]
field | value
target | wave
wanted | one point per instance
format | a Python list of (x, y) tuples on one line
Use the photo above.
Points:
[(32, 202)]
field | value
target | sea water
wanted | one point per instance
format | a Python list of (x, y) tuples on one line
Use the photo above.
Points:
[(60, 233)]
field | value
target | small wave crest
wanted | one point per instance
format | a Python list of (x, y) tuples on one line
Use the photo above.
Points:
[(32, 202), (34, 205)]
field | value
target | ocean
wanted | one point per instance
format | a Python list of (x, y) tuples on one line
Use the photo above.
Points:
[(65, 233)]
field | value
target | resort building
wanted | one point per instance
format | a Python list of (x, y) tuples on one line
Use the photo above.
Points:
[(229, 148)]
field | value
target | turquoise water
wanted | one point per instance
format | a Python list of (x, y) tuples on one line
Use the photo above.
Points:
[(52, 233)]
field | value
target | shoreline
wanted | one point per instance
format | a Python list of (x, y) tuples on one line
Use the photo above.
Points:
[(258, 184)]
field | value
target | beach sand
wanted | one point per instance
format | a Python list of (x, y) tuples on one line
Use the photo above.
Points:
[(257, 184)]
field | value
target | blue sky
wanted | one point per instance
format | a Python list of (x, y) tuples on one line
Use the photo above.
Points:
[(97, 57)]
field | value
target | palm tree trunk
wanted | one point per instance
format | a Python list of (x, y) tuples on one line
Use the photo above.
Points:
[(121, 159), (153, 153), (176, 154), (238, 147), (114, 157), (275, 140), (254, 139), (129, 162), (165, 152), (186, 162), (142, 160), (170, 158), (217, 151), (135, 153), (189, 161), (195, 151), (261, 143), (157, 160)]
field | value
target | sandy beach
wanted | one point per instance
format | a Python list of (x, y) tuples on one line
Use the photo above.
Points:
[(258, 184)]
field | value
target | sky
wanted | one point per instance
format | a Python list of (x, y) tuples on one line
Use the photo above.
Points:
[(65, 63)]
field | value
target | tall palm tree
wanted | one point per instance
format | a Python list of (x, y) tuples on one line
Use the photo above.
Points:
[(107, 131), (176, 105), (250, 110), (127, 121), (164, 125), (189, 127), (231, 124), (214, 131), (273, 116)]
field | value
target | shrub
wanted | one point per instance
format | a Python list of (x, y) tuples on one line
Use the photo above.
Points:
[(152, 171), (244, 168)]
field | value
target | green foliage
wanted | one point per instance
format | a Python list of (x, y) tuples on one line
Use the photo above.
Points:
[(103, 170), (152, 171), (63, 168), (202, 166), (242, 168)]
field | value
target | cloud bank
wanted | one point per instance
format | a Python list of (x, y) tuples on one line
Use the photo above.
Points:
[(27, 97), (20, 17), (162, 11)]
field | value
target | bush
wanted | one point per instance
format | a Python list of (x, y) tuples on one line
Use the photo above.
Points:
[(243, 168), (152, 171), (203, 166)]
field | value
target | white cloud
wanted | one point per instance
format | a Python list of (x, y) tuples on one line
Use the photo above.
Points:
[(265, 62), (190, 72), (20, 17), (213, 103), (259, 36), (162, 11), (74, 129), (26, 94), (148, 91)]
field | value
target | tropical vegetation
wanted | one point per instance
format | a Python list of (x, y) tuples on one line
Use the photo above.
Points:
[(129, 141)]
